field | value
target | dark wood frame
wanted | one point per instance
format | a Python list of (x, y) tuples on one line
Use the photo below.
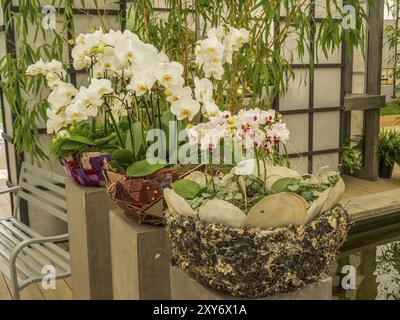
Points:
[(372, 100)]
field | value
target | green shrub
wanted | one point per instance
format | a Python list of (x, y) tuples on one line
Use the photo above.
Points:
[(389, 147)]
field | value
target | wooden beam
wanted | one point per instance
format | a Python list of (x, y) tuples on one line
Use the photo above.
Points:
[(363, 102)]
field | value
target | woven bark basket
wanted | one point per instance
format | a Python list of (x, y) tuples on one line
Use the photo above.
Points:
[(254, 263), (142, 198)]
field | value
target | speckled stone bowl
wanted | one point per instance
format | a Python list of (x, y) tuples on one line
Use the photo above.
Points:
[(252, 263)]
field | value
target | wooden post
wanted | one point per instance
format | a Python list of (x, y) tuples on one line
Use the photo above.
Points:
[(373, 87), (89, 238), (140, 256)]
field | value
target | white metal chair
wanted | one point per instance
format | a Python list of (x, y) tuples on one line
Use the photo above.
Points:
[(24, 252)]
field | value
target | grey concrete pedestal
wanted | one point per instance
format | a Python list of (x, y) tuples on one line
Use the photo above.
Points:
[(89, 238), (184, 287), (140, 257)]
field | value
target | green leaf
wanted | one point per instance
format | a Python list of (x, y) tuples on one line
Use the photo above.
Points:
[(68, 145), (143, 168), (123, 156), (81, 139), (138, 144), (282, 184), (186, 188), (105, 140)]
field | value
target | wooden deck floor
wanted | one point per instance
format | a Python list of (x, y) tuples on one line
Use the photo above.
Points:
[(358, 187), (36, 292)]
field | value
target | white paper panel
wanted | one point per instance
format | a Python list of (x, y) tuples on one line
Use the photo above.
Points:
[(289, 50), (1, 16), (297, 94), (325, 162), (320, 9), (358, 83), (357, 123), (327, 88), (334, 56), (88, 23), (305, 4), (2, 44), (89, 4), (298, 126), (299, 164), (326, 130), (102, 4)]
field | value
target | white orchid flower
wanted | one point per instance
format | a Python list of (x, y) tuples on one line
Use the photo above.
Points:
[(278, 133), (185, 109), (210, 138), (88, 97), (109, 61), (75, 112), (236, 38), (246, 167), (218, 33), (212, 47), (55, 66), (118, 108), (141, 82), (62, 95), (101, 86), (176, 93), (203, 90), (215, 71), (40, 67), (171, 74), (210, 109), (55, 121), (129, 51)]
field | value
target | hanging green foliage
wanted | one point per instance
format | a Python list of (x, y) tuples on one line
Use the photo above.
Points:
[(175, 29)]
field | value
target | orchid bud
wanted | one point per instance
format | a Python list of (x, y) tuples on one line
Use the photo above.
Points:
[(239, 92), (100, 48)]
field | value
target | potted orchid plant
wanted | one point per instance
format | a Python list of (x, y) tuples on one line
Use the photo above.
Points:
[(133, 88)]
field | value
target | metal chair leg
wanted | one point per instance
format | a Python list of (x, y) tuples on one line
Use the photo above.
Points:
[(14, 280)]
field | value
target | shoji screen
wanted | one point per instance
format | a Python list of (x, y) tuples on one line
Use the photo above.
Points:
[(313, 104)]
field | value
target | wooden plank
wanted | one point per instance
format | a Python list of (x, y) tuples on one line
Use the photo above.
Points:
[(44, 183), (53, 211), (45, 173), (68, 281), (5, 293), (31, 292), (47, 196), (363, 102), (61, 292)]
